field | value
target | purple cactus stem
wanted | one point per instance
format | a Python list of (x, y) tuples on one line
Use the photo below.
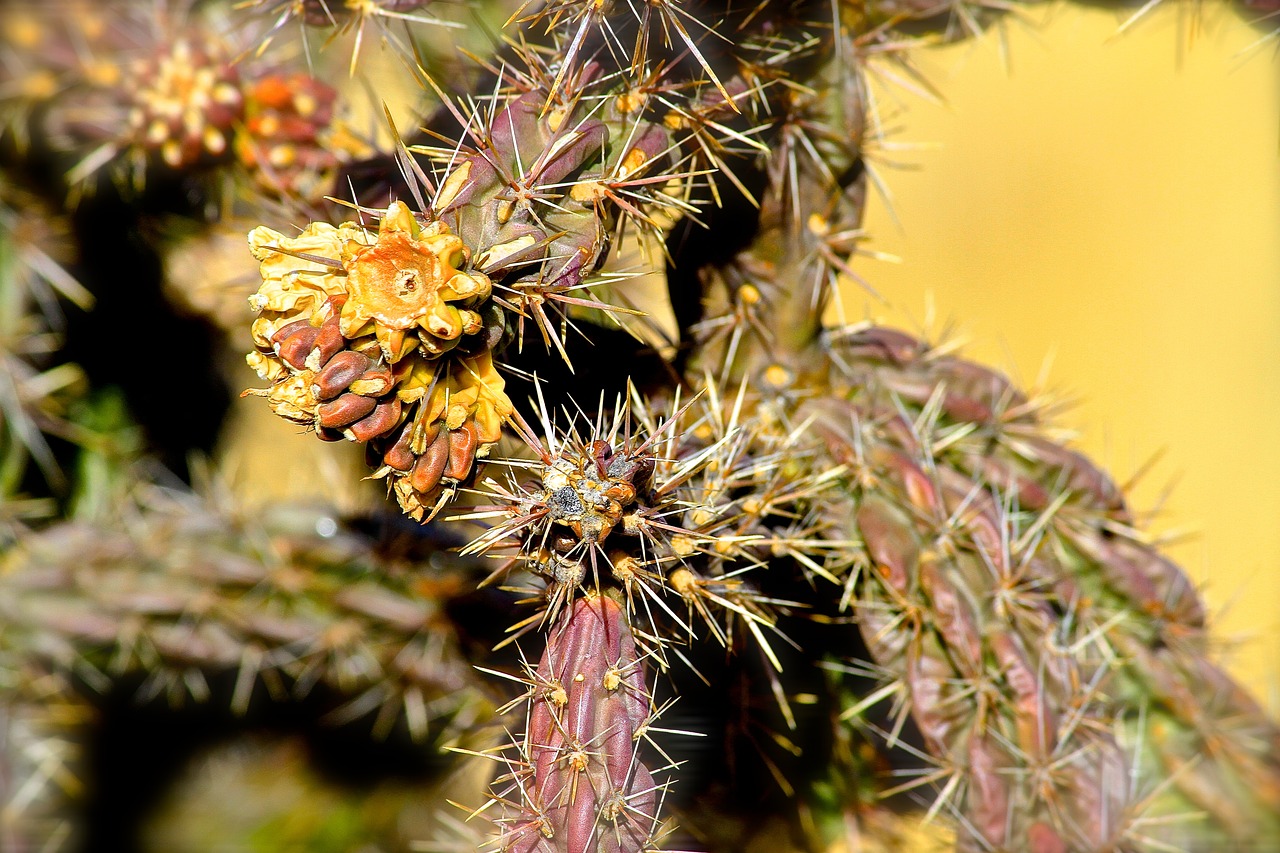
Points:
[(587, 790)]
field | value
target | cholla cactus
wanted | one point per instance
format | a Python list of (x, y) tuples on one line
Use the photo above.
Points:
[(883, 544), (579, 782), (692, 513), (182, 593), (1037, 643)]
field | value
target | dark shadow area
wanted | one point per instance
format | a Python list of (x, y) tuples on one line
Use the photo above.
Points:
[(164, 362), (139, 751)]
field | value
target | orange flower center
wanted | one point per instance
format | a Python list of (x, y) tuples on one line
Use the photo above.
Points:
[(396, 281)]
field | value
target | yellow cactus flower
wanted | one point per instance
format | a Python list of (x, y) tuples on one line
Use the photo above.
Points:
[(359, 335), (298, 274), (402, 285), (409, 279), (474, 391)]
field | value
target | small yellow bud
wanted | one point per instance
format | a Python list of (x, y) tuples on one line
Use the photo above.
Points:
[(777, 376), (634, 160), (683, 546), (555, 118), (629, 102), (701, 517)]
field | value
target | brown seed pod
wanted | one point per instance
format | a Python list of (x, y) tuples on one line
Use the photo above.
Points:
[(373, 382), (328, 342), (430, 466), (462, 451), (338, 374), (344, 411), (297, 344), (400, 457), (378, 422)]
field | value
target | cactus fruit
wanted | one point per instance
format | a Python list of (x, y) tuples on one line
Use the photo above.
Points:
[(900, 589)]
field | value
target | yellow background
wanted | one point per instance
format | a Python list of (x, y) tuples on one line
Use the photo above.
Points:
[(1113, 203)]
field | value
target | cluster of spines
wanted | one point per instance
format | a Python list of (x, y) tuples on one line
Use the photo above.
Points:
[(35, 391), (608, 124), (673, 505), (42, 722), (671, 509)]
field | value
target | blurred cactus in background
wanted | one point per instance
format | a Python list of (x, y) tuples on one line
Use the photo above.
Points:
[(659, 554)]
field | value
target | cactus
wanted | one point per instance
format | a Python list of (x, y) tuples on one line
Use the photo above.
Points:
[(902, 592), (1044, 651), (192, 600)]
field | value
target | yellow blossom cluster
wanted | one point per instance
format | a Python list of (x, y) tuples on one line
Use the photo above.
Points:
[(381, 337)]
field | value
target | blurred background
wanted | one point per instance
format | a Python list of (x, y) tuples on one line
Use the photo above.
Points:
[(1099, 215)]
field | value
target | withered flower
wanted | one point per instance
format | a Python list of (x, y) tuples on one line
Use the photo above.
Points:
[(186, 100), (298, 274), (384, 339), (409, 278)]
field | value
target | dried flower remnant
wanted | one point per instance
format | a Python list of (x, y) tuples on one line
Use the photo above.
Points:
[(671, 506), (186, 101), (589, 491), (408, 281), (383, 338), (289, 140)]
